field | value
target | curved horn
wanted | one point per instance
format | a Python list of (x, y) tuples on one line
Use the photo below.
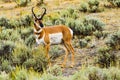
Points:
[(43, 13), (34, 13)]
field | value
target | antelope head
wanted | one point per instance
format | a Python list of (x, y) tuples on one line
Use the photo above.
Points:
[(38, 20)]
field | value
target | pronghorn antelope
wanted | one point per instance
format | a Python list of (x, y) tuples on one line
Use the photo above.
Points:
[(53, 35)]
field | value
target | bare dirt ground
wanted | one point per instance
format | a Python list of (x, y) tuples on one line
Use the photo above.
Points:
[(111, 17)]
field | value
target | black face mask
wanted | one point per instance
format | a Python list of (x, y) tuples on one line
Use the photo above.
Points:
[(41, 25)]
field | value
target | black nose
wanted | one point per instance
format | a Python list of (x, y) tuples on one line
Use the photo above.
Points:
[(41, 25)]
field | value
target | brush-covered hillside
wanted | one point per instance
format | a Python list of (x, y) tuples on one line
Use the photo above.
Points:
[(96, 40)]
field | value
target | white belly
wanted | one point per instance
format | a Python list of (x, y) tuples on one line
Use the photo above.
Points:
[(55, 38)]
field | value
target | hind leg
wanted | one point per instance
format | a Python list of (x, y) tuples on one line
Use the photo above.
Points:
[(70, 48)]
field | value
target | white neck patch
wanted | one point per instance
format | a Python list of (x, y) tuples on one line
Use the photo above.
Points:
[(38, 31)]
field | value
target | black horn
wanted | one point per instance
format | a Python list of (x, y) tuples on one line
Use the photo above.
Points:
[(34, 13), (43, 14)]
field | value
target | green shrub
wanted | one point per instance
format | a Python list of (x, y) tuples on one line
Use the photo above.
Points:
[(94, 6), (28, 58), (85, 27), (65, 14), (69, 13), (4, 76), (98, 34), (113, 40), (30, 41), (115, 3), (55, 70), (105, 58), (40, 58), (5, 66), (95, 73), (83, 43), (22, 3), (60, 21), (70, 23), (53, 17), (20, 73), (20, 54), (4, 22), (93, 3), (10, 34), (98, 24), (91, 6), (25, 21), (26, 32), (83, 7), (55, 52), (6, 47)]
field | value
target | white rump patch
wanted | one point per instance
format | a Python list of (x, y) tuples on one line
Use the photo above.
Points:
[(56, 38)]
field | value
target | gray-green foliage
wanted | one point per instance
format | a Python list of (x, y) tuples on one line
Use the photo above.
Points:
[(83, 7), (85, 27), (30, 40), (26, 32), (24, 21), (100, 34), (105, 58), (6, 47), (95, 73), (83, 43), (115, 3), (113, 40), (9, 34), (4, 22), (5, 66), (93, 5)]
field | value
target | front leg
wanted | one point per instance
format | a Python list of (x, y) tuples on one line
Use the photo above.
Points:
[(47, 47)]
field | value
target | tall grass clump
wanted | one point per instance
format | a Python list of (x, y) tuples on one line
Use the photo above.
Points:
[(20, 73), (113, 40)]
